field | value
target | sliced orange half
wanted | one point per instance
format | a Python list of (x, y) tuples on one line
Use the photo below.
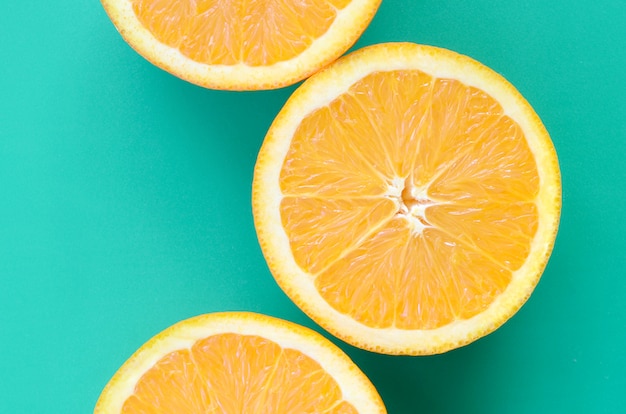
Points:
[(239, 362), (407, 198), (241, 44)]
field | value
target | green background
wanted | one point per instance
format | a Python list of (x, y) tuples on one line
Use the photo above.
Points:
[(125, 207)]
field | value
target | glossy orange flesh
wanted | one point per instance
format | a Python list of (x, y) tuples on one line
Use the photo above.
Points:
[(409, 200), (229, 32), (233, 374)]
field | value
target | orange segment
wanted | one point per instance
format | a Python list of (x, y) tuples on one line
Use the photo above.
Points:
[(315, 163), (371, 109), (175, 379), (238, 363), (444, 281), (499, 166), (321, 229), (241, 44), (407, 198), (457, 119), (501, 232), (363, 283)]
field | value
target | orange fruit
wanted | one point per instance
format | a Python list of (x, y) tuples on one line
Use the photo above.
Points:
[(239, 362), (407, 198), (241, 44)]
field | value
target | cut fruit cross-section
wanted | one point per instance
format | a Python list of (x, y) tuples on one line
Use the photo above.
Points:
[(407, 198), (239, 362), (241, 44)]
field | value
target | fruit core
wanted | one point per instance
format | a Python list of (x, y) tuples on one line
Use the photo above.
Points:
[(412, 203)]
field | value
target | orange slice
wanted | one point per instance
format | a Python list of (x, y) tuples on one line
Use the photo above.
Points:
[(407, 198), (239, 362), (241, 44)]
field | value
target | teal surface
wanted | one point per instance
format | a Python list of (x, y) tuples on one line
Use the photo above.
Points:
[(125, 207)]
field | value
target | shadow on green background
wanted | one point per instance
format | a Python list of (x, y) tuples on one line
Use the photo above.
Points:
[(126, 208)]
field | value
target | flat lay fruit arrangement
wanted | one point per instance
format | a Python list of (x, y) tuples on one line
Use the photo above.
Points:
[(406, 198)]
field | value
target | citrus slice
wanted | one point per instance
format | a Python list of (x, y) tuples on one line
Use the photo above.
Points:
[(239, 362), (241, 44), (407, 198)]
